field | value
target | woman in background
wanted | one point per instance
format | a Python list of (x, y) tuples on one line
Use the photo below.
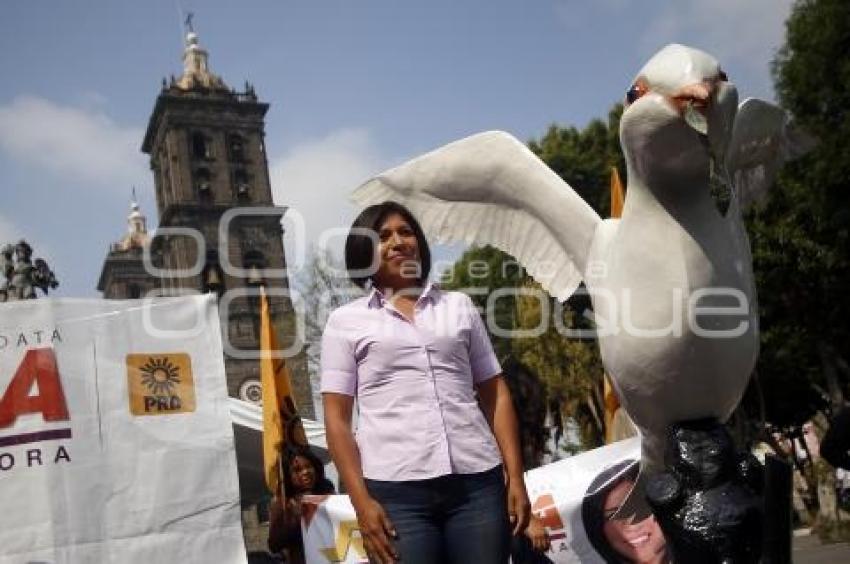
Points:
[(303, 474)]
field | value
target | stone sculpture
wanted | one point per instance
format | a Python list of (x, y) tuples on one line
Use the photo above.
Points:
[(22, 276)]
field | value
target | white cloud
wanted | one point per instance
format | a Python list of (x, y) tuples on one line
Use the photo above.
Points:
[(744, 33), (77, 144), (8, 232), (316, 178), (11, 233)]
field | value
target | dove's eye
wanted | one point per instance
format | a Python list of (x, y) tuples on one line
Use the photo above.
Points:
[(636, 91), (722, 76)]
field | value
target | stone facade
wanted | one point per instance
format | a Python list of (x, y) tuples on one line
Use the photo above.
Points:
[(208, 159)]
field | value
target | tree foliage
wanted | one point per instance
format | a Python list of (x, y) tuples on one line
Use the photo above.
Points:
[(322, 287), (571, 369), (800, 238)]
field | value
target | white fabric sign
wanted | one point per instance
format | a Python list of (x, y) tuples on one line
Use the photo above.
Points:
[(557, 492), (115, 437), (330, 532)]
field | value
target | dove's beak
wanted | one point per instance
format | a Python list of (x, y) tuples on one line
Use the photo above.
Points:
[(692, 102)]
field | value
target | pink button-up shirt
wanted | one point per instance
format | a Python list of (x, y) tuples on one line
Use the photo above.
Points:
[(418, 417)]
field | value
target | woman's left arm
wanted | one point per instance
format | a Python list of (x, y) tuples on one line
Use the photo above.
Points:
[(498, 408)]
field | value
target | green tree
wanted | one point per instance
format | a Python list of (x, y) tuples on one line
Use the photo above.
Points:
[(570, 368), (800, 237), (321, 287)]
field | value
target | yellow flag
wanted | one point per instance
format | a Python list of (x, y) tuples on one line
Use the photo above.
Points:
[(612, 403), (617, 193), (281, 423)]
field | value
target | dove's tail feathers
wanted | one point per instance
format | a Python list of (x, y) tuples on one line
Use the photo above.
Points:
[(490, 189)]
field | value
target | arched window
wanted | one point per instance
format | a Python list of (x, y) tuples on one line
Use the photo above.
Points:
[(203, 182), (236, 148), (241, 184), (201, 147), (254, 262), (212, 279), (212, 276), (134, 292)]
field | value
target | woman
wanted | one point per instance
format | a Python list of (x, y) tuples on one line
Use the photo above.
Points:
[(620, 540), (303, 474), (434, 474)]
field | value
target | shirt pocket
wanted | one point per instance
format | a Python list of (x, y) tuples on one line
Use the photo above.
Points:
[(449, 348)]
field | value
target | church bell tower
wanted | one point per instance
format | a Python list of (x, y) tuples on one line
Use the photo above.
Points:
[(219, 230)]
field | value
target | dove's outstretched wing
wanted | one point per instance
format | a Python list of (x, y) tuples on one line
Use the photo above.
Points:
[(491, 189), (763, 138)]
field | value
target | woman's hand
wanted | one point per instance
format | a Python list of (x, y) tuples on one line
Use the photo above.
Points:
[(519, 508), (376, 530), (538, 535)]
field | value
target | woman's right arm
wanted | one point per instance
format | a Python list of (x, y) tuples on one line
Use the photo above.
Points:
[(375, 527)]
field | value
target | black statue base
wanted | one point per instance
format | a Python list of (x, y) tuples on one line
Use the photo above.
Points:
[(709, 502)]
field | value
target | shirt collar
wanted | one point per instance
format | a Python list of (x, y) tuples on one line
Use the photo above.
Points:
[(377, 298)]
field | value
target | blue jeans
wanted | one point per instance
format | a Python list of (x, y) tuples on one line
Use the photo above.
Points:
[(459, 518)]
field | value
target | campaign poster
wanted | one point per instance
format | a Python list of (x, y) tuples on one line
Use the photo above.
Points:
[(115, 437)]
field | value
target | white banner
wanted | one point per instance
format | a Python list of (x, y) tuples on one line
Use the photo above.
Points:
[(572, 497), (115, 437), (330, 532)]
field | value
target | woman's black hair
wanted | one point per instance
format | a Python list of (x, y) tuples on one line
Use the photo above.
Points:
[(593, 506), (360, 248), (321, 486)]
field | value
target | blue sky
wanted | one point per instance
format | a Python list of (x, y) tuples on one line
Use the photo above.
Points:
[(355, 86)]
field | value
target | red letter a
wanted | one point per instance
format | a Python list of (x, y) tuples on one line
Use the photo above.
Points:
[(38, 366)]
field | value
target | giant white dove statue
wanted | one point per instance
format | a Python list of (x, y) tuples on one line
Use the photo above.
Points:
[(671, 281)]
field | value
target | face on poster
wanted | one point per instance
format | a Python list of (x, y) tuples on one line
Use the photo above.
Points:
[(577, 500)]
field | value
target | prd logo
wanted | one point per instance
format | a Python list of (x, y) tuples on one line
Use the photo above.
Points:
[(160, 384), (160, 376)]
